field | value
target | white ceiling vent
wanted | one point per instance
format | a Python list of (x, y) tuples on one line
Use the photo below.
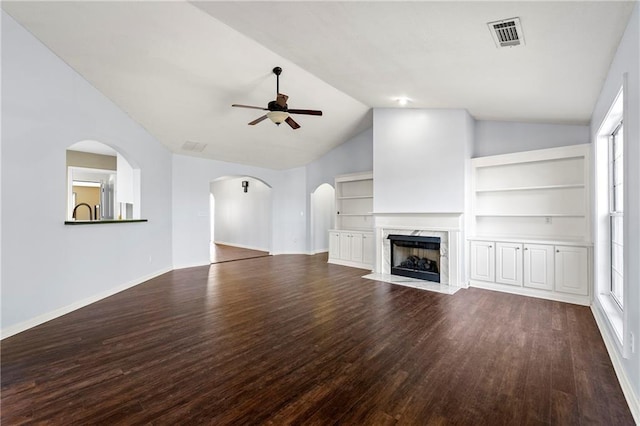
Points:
[(194, 146), (507, 32)]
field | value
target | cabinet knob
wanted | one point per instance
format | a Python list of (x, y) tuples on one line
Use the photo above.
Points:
[(490, 246), (557, 251), (517, 248), (526, 248)]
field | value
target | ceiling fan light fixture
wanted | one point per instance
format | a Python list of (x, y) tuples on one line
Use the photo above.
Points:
[(277, 116), (403, 101)]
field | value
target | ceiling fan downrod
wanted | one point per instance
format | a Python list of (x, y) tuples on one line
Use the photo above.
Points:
[(277, 71)]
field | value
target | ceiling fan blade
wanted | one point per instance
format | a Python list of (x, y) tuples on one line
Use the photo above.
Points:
[(305, 111), (249, 106), (281, 99), (291, 122), (257, 120)]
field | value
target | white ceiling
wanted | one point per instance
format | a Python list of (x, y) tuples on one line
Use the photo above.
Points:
[(176, 67)]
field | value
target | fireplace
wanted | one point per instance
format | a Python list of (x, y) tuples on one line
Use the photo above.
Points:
[(415, 256)]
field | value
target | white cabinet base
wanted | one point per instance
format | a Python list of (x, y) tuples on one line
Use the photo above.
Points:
[(532, 292), (554, 271), (351, 248)]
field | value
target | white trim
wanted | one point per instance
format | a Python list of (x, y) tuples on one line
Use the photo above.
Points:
[(579, 243), (616, 360), (532, 292), (40, 319), (564, 152), (351, 264)]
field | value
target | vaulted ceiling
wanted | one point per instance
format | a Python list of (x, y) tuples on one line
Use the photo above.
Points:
[(176, 67)]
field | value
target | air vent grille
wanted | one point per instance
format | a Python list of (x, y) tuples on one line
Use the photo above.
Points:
[(194, 146), (507, 32)]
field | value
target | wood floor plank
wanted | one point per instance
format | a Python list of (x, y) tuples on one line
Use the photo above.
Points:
[(293, 340)]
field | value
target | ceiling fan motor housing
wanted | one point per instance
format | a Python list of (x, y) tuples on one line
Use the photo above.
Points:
[(275, 106)]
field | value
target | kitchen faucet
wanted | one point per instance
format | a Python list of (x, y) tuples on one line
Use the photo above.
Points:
[(82, 204)]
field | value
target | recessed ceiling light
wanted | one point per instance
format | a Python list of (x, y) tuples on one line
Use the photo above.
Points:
[(403, 100)]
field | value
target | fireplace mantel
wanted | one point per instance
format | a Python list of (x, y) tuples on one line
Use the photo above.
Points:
[(447, 226)]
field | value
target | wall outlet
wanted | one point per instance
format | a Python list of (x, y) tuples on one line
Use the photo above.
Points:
[(632, 343), (150, 258), (547, 220)]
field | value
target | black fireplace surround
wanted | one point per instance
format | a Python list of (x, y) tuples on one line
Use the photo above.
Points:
[(415, 256)]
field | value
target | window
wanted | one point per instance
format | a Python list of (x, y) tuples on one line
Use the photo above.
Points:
[(616, 213)]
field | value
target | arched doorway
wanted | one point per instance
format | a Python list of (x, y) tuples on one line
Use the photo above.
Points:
[(240, 213), (322, 217)]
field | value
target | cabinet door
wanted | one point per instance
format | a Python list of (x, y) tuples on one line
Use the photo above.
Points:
[(334, 245), (356, 247), (538, 266), (482, 261), (509, 263), (345, 246), (571, 270), (368, 249)]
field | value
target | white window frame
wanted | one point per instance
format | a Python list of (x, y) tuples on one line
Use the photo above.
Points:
[(616, 214)]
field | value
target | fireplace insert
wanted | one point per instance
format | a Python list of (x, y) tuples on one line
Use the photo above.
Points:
[(415, 256)]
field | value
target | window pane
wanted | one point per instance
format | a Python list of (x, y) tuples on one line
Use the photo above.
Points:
[(618, 198), (616, 195), (616, 287)]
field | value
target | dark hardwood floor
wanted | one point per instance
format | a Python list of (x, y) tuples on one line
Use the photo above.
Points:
[(293, 340), (223, 253)]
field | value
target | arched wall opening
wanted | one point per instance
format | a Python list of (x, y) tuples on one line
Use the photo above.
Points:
[(102, 183), (322, 217), (240, 213)]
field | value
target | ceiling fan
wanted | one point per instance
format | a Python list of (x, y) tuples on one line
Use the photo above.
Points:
[(278, 110)]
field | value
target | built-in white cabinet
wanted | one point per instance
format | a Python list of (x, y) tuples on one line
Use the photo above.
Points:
[(354, 201), (334, 243), (351, 248), (571, 273), (551, 271), (509, 263), (483, 261), (542, 194), (352, 243), (533, 208), (538, 266)]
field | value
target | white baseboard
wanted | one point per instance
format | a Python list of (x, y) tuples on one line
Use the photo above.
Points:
[(40, 319), (616, 360), (530, 292)]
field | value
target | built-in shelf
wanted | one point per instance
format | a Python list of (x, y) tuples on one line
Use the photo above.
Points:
[(532, 188), (543, 192), (351, 243), (354, 201), (529, 230)]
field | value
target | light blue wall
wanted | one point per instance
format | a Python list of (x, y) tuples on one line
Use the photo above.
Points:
[(627, 60), (355, 155), (503, 137), (49, 268)]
